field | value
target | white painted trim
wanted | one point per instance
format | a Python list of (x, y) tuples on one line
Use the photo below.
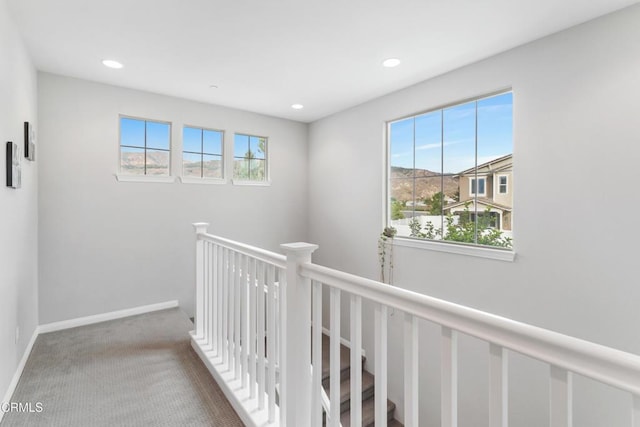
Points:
[(206, 181), (103, 317), (251, 183), (16, 376), (145, 178), (245, 406), (452, 248)]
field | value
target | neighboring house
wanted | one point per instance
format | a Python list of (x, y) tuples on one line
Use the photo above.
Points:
[(488, 186)]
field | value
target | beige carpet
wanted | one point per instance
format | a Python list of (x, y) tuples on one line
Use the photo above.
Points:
[(137, 371)]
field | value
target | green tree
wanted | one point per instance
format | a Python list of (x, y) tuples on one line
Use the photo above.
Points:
[(435, 203), (396, 210), (482, 233)]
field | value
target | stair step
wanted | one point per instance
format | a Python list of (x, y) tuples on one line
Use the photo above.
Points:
[(345, 361), (368, 413), (368, 382)]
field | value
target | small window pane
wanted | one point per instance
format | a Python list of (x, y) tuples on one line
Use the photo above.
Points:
[(428, 145), (401, 140), (158, 135), (192, 140), (257, 171), (459, 138), (257, 146), (132, 132), (212, 166), (241, 168), (212, 142), (192, 165), (157, 162), (240, 145), (132, 161), (481, 186)]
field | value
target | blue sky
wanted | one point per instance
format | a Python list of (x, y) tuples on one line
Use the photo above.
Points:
[(424, 135), (132, 133)]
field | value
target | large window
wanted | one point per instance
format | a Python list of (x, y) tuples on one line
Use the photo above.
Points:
[(145, 147), (448, 173), (202, 153), (249, 157)]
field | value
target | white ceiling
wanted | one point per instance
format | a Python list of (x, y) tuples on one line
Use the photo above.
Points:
[(266, 55)]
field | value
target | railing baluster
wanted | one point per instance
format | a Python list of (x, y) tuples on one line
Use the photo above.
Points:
[(356, 360), (260, 336), (635, 411), (252, 327), (411, 403), (284, 389), (316, 357), (334, 356), (449, 378), (219, 308), (561, 397), (498, 386), (232, 305), (210, 300), (205, 295), (381, 315), (238, 304), (271, 354), (244, 283), (214, 298), (225, 309)]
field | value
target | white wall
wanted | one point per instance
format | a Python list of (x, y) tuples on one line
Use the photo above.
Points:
[(576, 155), (108, 245), (18, 208)]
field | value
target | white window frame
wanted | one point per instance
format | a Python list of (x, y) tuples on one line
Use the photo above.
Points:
[(506, 183), (251, 182), (477, 178), (203, 180), (468, 249), (122, 177)]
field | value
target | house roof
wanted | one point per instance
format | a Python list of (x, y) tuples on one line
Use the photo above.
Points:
[(489, 164), (481, 201)]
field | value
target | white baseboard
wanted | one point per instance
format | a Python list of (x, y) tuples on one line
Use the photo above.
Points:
[(19, 369), (72, 323), (97, 318)]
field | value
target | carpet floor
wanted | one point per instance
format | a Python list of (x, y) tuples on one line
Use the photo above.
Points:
[(136, 371)]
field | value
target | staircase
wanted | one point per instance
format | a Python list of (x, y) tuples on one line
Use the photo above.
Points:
[(368, 392)]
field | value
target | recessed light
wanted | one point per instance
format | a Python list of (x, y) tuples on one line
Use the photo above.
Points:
[(112, 64), (391, 62), (213, 86), (297, 106)]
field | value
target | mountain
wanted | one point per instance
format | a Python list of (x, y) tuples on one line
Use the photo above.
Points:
[(427, 184)]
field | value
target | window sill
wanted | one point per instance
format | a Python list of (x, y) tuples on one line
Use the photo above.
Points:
[(145, 178), (253, 183), (453, 248), (205, 181)]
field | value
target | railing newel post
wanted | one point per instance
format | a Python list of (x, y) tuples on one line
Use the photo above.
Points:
[(201, 228), (296, 334)]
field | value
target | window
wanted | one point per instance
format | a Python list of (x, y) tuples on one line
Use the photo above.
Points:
[(502, 184), (442, 169), (481, 183), (145, 147), (249, 157), (202, 153)]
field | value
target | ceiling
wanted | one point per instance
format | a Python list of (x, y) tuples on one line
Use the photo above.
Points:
[(264, 56)]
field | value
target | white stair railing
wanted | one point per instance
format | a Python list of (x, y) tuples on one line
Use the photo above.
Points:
[(249, 295)]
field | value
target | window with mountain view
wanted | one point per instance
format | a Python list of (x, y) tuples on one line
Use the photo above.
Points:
[(202, 153), (145, 147), (249, 157), (448, 173)]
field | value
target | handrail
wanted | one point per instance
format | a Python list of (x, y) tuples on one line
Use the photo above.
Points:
[(607, 365), (269, 257)]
